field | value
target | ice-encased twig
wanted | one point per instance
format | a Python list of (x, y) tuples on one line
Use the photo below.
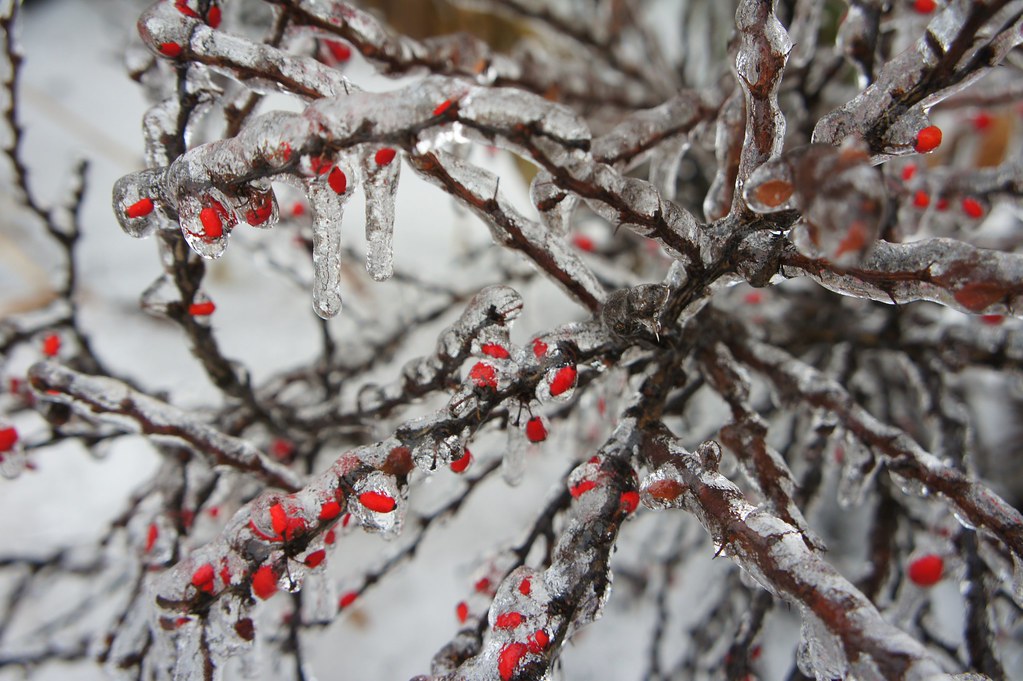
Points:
[(478, 190), (746, 436), (629, 142), (464, 56), (945, 271), (774, 553), (113, 401), (760, 64), (960, 44), (572, 590), (259, 66), (967, 497)]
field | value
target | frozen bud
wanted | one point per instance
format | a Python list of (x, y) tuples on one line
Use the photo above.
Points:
[(633, 313), (710, 455), (841, 196), (663, 488), (379, 508)]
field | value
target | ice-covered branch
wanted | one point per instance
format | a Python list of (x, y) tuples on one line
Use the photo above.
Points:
[(970, 499), (535, 612), (114, 402), (959, 45), (843, 633), (946, 271)]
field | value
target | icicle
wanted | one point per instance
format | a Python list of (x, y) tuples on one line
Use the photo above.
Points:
[(327, 207), (381, 169), (513, 464)]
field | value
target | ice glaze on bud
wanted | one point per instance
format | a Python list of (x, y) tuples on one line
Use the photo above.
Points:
[(378, 502), (140, 208)]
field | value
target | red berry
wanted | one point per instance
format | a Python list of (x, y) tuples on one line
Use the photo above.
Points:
[(8, 438), (508, 620), (942, 204), (753, 298), (539, 348), (384, 156), (442, 107), (629, 501), (908, 172), (924, 6), (482, 585), (140, 208), (264, 582), (151, 536), (330, 510), (976, 296), (982, 121), (928, 139), (666, 490), (538, 641), (992, 319), (203, 309), (261, 210), (483, 376), (183, 7), (298, 209), (581, 488), (459, 465), (339, 51), (51, 345), (536, 431), (921, 199), (171, 50), (525, 587), (347, 599), (972, 208), (462, 611), (494, 350), (281, 448), (315, 558), (337, 180), (202, 578), (211, 222), (926, 570), (330, 538), (278, 519), (378, 502), (563, 380), (583, 243), (509, 659), (213, 17)]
